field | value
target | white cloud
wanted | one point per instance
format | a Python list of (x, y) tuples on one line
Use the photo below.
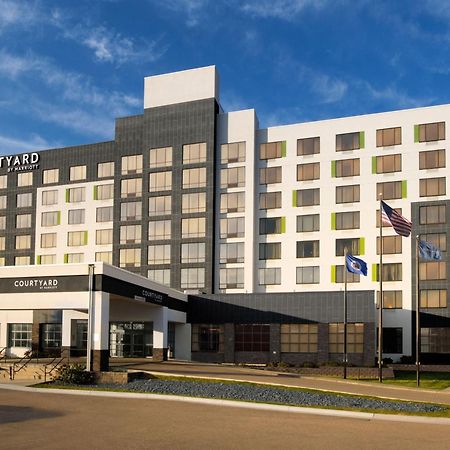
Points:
[(18, 14), (192, 9), (330, 89), (10, 144)]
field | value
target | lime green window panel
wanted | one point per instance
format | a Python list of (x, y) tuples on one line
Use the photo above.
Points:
[(58, 217), (38, 259), (374, 164), (283, 149), (294, 198), (66, 258), (362, 139), (416, 133), (67, 195), (95, 192), (333, 274), (375, 272), (283, 225), (333, 169), (362, 246), (333, 221), (404, 189), (85, 238)]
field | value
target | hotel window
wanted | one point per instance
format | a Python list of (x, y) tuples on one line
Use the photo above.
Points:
[(232, 252), (130, 234), (307, 249), (2, 222), (431, 187), (47, 259), (232, 202), (432, 159), (51, 335), (347, 194), (308, 197), (2, 201), (270, 225), (270, 250), (340, 274), (77, 173), (194, 178), (348, 141), (347, 220), (270, 200), (130, 257), (391, 245), (131, 211), (104, 191), (432, 214), (160, 206), (77, 238), (49, 197), (388, 163), (105, 257), (50, 176), (193, 203), (3, 181), (389, 190), (308, 223), (391, 299), (131, 164), (391, 272), (159, 254), (270, 150), (194, 252), (435, 340), (270, 276), (105, 214), (207, 338), (433, 298), (48, 240), (231, 153), (399, 210), (160, 157), (310, 171), (159, 229), (104, 237), (25, 179), (308, 275), (192, 278), (25, 200), (74, 258), (437, 239), (299, 338), (193, 228), (352, 244), (131, 187), (50, 219), (232, 227), (160, 181), (231, 278), (2, 243), (270, 175), (23, 242), (76, 195), (232, 177), (308, 146), (161, 276), (388, 137), (105, 169), (23, 220), (19, 335), (76, 216), (429, 132), (251, 338), (355, 337), (22, 260), (433, 270), (194, 153), (347, 168)]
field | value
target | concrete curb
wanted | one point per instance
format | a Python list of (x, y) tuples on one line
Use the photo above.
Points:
[(237, 404)]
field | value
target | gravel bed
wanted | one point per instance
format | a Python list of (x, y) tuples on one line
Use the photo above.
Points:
[(253, 393)]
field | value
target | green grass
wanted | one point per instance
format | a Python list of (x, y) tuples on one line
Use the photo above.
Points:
[(428, 380)]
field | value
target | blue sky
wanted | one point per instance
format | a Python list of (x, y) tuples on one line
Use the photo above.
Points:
[(67, 68)]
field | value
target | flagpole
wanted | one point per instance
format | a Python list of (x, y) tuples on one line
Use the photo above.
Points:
[(381, 303), (345, 313), (417, 314)]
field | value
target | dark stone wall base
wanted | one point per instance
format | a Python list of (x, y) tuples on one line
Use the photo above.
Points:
[(159, 354), (100, 360)]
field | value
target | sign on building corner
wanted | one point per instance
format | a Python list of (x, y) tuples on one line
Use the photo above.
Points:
[(19, 163)]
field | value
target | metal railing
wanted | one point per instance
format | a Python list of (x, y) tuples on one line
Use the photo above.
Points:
[(53, 365), (21, 364)]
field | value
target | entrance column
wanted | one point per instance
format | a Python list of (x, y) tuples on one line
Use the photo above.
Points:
[(100, 338), (160, 331), (66, 338)]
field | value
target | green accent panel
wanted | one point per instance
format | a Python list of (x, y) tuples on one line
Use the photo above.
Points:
[(362, 246), (294, 198), (404, 189), (362, 139), (66, 258), (416, 133), (333, 221), (374, 272), (374, 164), (38, 259), (85, 238), (58, 218), (333, 169), (95, 192), (67, 195), (283, 225), (283, 149), (333, 274)]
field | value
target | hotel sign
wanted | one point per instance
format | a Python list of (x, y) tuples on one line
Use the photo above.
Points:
[(20, 163), (44, 284)]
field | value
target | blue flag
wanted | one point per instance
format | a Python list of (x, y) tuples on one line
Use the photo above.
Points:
[(356, 265), (429, 252)]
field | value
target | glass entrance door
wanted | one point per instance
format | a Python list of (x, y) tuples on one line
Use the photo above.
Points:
[(131, 339)]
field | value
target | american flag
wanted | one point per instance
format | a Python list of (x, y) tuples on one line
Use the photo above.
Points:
[(391, 217)]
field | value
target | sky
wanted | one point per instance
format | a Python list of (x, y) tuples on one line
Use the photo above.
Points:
[(69, 68)]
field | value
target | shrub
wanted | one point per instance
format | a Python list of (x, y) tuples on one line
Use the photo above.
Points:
[(74, 374), (387, 361), (331, 364), (309, 365), (407, 359)]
